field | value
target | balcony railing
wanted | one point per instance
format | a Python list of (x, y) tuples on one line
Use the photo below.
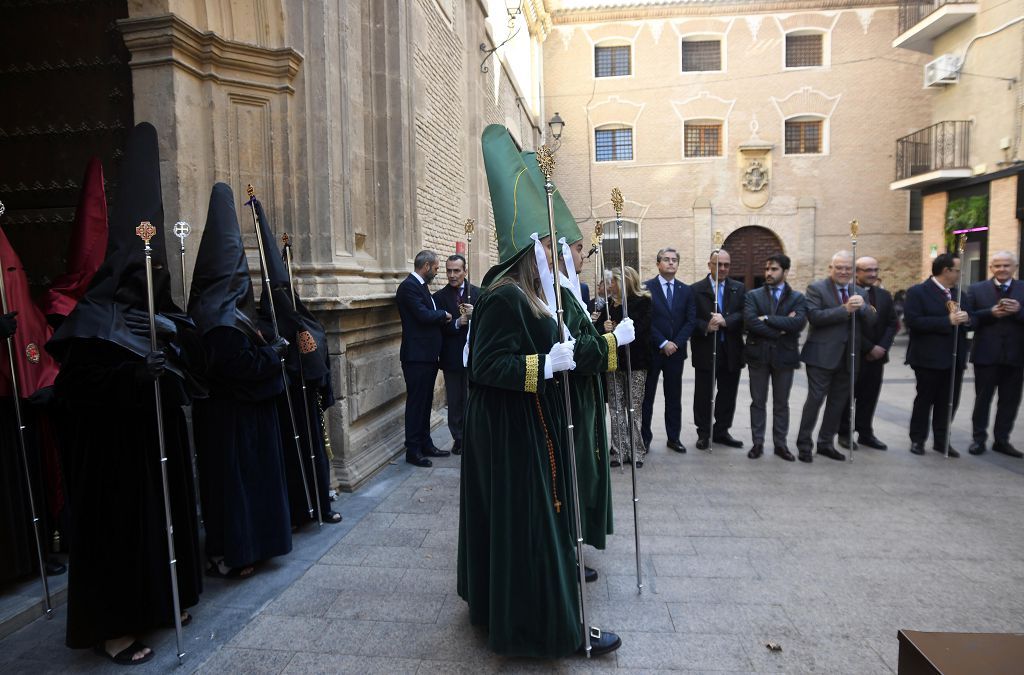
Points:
[(913, 11), (946, 145)]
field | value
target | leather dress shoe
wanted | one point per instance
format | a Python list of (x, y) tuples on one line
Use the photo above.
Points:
[(805, 456), (677, 446), (418, 460), (727, 439), (832, 453), (872, 442), (457, 448), (601, 642), (615, 462), (844, 442), (1007, 449), (756, 450), (435, 452), (917, 448), (977, 448), (639, 463), (952, 451), (784, 453), (703, 443), (590, 574)]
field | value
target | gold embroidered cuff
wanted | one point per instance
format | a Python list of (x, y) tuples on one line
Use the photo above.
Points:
[(532, 369), (613, 352)]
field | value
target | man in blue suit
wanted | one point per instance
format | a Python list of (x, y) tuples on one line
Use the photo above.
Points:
[(456, 298), (997, 352), (673, 318), (420, 353)]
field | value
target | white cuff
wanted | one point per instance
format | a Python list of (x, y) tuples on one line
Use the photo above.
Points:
[(548, 373)]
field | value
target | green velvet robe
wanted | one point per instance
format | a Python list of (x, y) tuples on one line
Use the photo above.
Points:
[(591, 354), (516, 561)]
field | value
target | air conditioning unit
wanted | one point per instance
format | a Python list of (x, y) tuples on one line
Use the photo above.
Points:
[(942, 71)]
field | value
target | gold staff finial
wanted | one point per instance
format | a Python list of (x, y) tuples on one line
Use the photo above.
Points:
[(719, 239), (598, 232), (546, 160), (617, 201), (251, 191), (854, 228), (286, 240), (961, 244), (145, 231), (470, 224)]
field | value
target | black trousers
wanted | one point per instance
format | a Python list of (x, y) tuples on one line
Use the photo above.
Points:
[(1008, 381), (866, 391), (781, 381), (456, 392), (672, 368), (727, 383), (932, 401), (419, 388)]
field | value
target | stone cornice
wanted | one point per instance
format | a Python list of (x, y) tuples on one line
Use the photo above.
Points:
[(671, 9), (170, 40)]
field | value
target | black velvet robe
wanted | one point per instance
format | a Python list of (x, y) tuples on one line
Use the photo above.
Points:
[(17, 543), (296, 493), (238, 441), (119, 573)]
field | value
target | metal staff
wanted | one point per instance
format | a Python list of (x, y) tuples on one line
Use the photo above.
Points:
[(145, 231), (36, 524), (470, 223), (599, 269), (961, 243), (249, 190), (624, 296), (854, 230), (546, 160), (717, 242), (181, 231), (286, 240)]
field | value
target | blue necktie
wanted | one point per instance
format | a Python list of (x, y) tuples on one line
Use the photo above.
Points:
[(721, 308), (668, 293)]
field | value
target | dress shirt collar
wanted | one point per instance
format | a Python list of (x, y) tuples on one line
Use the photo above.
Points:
[(418, 277), (662, 280), (941, 287)]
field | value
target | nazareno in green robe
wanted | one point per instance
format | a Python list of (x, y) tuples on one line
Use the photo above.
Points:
[(591, 354), (516, 561)]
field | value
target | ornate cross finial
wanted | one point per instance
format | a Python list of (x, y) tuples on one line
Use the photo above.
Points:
[(854, 228), (145, 231), (470, 224), (617, 201), (182, 229), (961, 244), (286, 240), (546, 160), (718, 239), (2, 208), (251, 191)]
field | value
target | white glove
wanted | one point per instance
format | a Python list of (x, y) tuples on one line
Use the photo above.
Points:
[(559, 359), (624, 333)]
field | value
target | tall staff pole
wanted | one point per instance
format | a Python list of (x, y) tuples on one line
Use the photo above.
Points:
[(470, 224), (599, 270), (181, 231), (617, 202), (286, 240), (145, 231), (717, 242), (36, 524), (961, 243), (249, 190), (854, 231), (546, 160)]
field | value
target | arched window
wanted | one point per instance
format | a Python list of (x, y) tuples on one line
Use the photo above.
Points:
[(630, 244), (703, 138), (613, 143), (805, 135)]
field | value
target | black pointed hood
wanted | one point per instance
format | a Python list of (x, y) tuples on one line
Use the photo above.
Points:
[(297, 324), (221, 293), (120, 282)]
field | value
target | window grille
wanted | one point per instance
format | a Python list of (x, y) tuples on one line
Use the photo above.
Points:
[(803, 50), (613, 145), (702, 139), (701, 55), (611, 61), (803, 137)]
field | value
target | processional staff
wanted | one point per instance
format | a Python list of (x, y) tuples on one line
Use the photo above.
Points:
[(951, 307), (546, 161), (145, 231), (287, 256), (249, 190), (854, 230), (601, 285), (15, 394), (617, 203), (470, 223), (717, 242), (181, 231)]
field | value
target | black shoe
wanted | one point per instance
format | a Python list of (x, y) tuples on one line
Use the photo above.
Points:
[(435, 452), (678, 447), (872, 442), (703, 443), (784, 453), (615, 462), (844, 442), (805, 456), (418, 460), (590, 574), (756, 450), (917, 448), (832, 453), (639, 464), (457, 448), (978, 448), (727, 439), (952, 451), (1005, 448), (601, 642)]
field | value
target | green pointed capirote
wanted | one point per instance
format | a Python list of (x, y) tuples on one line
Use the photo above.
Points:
[(565, 224)]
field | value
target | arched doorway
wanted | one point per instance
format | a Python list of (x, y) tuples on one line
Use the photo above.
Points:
[(748, 247)]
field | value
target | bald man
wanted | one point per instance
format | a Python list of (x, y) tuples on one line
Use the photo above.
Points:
[(874, 354)]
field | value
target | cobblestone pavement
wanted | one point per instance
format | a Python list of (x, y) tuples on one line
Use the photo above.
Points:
[(828, 560)]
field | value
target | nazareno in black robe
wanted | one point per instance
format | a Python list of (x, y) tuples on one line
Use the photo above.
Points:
[(238, 435)]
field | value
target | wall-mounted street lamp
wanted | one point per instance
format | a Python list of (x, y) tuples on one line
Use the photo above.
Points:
[(555, 124), (514, 9)]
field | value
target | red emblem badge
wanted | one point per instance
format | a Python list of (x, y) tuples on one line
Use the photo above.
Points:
[(32, 352)]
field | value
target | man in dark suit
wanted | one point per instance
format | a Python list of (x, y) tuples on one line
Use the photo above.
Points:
[(932, 317), (673, 318), (997, 352), (830, 304), (726, 328), (875, 346), (773, 315), (420, 352), (456, 298)]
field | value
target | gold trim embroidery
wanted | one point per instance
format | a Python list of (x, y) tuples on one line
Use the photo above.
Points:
[(613, 352), (532, 369)]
